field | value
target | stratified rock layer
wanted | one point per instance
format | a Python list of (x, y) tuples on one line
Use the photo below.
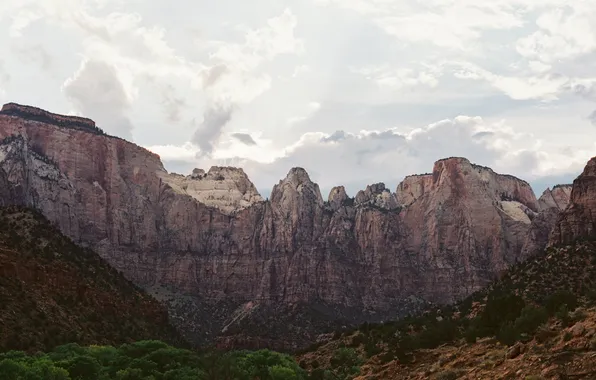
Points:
[(220, 256)]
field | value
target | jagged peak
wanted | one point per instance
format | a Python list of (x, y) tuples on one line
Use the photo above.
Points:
[(299, 174), (298, 180), (337, 197), (377, 195), (337, 191), (558, 197)]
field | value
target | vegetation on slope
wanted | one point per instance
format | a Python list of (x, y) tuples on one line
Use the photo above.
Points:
[(53, 292), (147, 360), (533, 301)]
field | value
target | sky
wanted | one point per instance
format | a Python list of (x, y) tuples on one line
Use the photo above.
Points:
[(354, 91)]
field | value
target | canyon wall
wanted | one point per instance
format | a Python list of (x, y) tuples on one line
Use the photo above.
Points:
[(219, 256)]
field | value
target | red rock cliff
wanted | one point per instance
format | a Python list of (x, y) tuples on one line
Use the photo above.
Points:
[(218, 256), (578, 221)]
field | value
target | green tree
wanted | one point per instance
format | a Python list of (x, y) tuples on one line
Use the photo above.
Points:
[(345, 363), (278, 372)]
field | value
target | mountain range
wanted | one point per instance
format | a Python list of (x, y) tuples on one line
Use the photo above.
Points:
[(226, 262)]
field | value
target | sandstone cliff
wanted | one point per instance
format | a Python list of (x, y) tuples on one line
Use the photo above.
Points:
[(578, 221), (219, 256), (550, 204)]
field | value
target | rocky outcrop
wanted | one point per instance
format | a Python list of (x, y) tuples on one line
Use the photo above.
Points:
[(208, 245), (337, 198), (376, 195), (37, 114), (557, 198), (224, 188), (412, 188), (578, 221), (551, 204)]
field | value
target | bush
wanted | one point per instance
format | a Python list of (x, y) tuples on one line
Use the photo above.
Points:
[(507, 334), (530, 319), (560, 298), (346, 363), (499, 310), (563, 315), (471, 335)]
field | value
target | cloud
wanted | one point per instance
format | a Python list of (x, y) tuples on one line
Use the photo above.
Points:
[(563, 33), (34, 53), (592, 117), (232, 81), (369, 156), (97, 92), (209, 131), (244, 138), (172, 103), (398, 78)]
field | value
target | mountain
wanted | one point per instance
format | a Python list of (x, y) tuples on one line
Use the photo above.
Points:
[(226, 262), (578, 221), (538, 321), (53, 292)]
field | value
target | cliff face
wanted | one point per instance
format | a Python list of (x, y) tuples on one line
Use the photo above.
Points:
[(578, 221), (551, 204), (219, 256)]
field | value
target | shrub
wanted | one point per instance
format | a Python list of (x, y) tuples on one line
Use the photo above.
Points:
[(530, 319), (563, 315), (507, 334), (500, 309), (562, 297)]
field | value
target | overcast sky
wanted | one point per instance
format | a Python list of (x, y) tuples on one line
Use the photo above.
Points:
[(354, 91)]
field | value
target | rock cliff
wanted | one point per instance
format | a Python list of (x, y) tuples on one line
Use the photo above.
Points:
[(578, 221), (219, 256), (551, 204)]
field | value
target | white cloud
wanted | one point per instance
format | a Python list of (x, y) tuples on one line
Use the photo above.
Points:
[(398, 78), (563, 34), (97, 92), (358, 159)]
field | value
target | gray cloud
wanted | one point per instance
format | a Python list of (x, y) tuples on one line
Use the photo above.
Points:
[(211, 76), (335, 137), (96, 91), (215, 118), (34, 53), (4, 76), (244, 138), (592, 117), (172, 104), (587, 92), (481, 135)]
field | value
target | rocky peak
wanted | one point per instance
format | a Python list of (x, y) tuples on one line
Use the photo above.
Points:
[(558, 197), (459, 173), (412, 188), (225, 188), (376, 195), (337, 197), (578, 220), (297, 184), (197, 173)]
